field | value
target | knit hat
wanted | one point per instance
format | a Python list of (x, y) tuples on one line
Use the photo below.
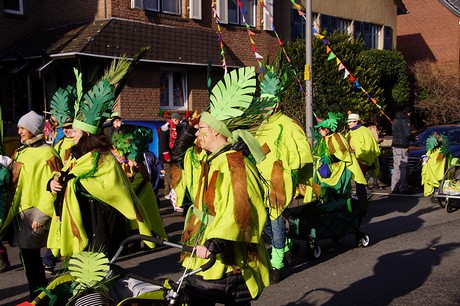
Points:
[(353, 117), (32, 122), (176, 116)]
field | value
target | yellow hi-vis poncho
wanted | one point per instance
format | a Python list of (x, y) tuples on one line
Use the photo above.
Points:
[(228, 204), (63, 148), (366, 149), (287, 151), (433, 170), (108, 184)]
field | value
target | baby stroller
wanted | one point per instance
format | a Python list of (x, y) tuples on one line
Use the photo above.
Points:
[(448, 194), (121, 287), (331, 220)]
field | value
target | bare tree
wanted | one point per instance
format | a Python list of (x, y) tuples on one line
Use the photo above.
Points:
[(437, 92)]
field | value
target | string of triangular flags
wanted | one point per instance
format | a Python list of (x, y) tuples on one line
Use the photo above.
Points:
[(219, 35), (280, 43), (250, 35), (339, 63)]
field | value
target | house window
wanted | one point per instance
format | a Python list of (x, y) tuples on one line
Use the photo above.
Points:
[(234, 12), (388, 38), (369, 33), (298, 24), (164, 6), (173, 88), (13, 7), (331, 24)]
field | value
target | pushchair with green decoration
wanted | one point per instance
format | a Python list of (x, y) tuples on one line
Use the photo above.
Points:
[(448, 194), (92, 280)]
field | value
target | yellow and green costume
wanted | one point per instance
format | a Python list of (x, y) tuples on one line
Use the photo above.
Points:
[(32, 168), (228, 204), (286, 152), (334, 150), (102, 177), (63, 148), (365, 148), (144, 191), (433, 170)]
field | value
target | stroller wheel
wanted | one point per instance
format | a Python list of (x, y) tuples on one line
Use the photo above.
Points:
[(442, 202), (314, 251), (363, 241)]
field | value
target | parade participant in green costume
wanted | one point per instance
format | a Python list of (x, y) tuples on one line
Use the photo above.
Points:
[(435, 163), (366, 149), (98, 205), (32, 206), (287, 152), (335, 165), (130, 145), (228, 214)]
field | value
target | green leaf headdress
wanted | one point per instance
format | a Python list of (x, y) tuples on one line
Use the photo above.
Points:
[(230, 99), (62, 105), (332, 122), (437, 141), (133, 143), (95, 107)]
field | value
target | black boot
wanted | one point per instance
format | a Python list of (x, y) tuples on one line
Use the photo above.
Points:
[(4, 262)]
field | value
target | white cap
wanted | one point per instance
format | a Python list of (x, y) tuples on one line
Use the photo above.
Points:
[(353, 117)]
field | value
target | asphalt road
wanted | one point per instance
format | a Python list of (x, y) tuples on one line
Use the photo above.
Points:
[(411, 260)]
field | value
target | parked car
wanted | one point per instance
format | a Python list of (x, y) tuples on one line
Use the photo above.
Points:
[(417, 148), (153, 125)]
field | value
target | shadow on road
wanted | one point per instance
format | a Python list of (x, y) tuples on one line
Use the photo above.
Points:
[(395, 275)]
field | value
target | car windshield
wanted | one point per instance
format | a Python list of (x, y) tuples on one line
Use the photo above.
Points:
[(451, 132)]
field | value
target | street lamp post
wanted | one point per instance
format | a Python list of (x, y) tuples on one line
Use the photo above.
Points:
[(308, 72)]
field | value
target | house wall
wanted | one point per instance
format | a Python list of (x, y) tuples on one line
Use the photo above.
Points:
[(429, 32)]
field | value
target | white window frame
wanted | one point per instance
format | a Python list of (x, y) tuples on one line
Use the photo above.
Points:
[(222, 11), (16, 12), (195, 9), (268, 25), (171, 71), (140, 4)]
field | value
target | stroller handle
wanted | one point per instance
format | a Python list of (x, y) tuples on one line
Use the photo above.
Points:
[(159, 241), (155, 240)]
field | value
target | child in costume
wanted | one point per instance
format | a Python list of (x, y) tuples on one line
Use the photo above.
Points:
[(228, 213), (435, 163), (96, 205), (130, 146), (335, 165), (31, 207)]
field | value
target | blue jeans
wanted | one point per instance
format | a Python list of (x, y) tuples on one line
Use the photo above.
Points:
[(49, 260), (276, 230)]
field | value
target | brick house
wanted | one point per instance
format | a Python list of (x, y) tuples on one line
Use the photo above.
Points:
[(431, 31), (41, 41)]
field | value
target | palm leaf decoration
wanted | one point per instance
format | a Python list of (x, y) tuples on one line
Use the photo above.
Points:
[(270, 86), (445, 145), (98, 103), (79, 88), (117, 70), (63, 103), (89, 269), (233, 95), (431, 143)]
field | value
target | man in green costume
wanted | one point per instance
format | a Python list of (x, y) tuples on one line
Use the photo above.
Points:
[(32, 206), (227, 215), (287, 152)]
